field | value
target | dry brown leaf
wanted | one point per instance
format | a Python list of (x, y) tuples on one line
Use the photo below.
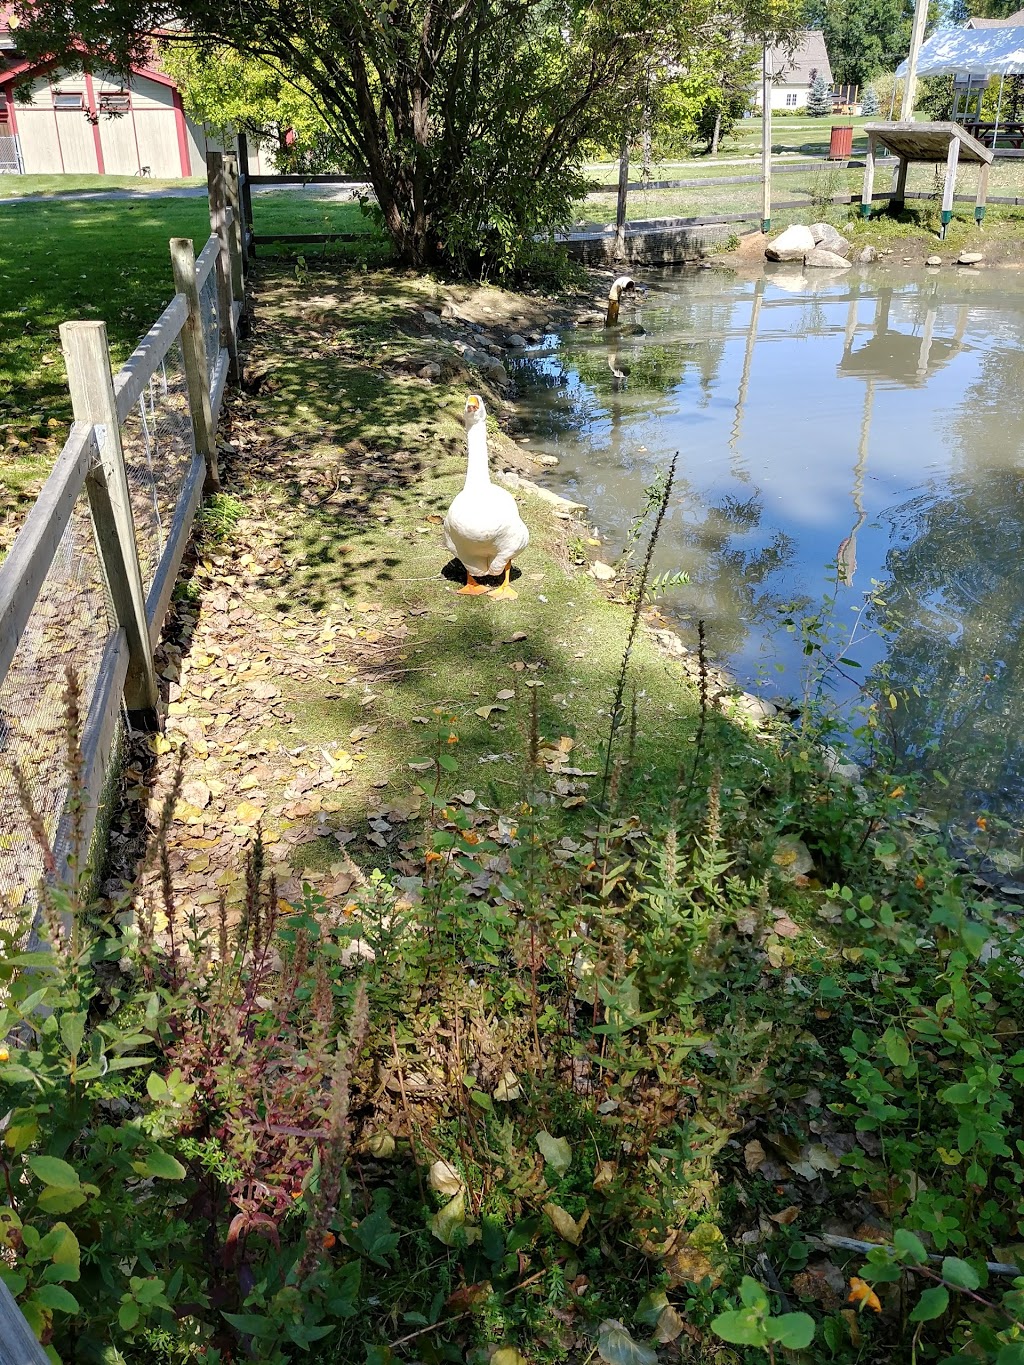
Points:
[(753, 1156), (786, 1216), (604, 1173)]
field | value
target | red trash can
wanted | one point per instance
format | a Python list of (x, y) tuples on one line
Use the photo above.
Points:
[(841, 146)]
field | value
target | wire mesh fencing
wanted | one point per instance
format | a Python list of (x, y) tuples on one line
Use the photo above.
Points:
[(209, 309), (69, 627), (56, 605), (158, 442)]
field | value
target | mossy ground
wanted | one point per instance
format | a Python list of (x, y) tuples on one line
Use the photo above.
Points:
[(331, 579)]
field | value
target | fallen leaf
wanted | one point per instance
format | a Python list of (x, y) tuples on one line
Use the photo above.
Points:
[(786, 1216), (604, 1174), (753, 1156), (689, 1265), (506, 695), (669, 1325), (862, 1293), (246, 813), (484, 711), (508, 1088), (785, 928), (565, 1225), (381, 1145), (444, 1179), (616, 1347), (555, 1151), (447, 1222)]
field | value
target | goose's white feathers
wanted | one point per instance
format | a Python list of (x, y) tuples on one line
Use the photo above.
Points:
[(483, 526)]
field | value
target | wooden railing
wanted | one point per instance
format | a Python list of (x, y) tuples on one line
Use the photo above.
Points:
[(114, 531)]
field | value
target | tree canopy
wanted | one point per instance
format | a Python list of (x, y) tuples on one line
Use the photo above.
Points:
[(469, 117), (863, 37)]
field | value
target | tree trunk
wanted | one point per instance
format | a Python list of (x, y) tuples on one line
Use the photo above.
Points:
[(646, 143), (716, 132)]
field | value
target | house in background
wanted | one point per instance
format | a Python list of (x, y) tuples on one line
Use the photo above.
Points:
[(792, 72), (1011, 21), (96, 124)]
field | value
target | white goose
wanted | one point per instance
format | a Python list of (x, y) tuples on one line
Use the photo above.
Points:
[(483, 526)]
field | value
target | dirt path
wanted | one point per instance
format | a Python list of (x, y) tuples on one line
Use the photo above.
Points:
[(319, 656)]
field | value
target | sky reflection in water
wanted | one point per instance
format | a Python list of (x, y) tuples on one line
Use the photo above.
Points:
[(867, 424)]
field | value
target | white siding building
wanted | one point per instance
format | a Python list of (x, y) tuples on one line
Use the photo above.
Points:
[(793, 72)]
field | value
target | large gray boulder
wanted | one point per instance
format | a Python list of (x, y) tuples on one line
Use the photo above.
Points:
[(829, 237), (825, 260), (791, 245)]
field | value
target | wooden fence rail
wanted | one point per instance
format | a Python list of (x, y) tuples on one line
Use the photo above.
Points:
[(172, 460)]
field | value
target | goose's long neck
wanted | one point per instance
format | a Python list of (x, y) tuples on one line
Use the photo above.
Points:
[(477, 473)]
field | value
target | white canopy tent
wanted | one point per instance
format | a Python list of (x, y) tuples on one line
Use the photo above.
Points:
[(971, 52)]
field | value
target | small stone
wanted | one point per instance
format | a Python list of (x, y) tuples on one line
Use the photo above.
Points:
[(548, 461), (969, 258), (825, 260), (604, 573), (517, 342), (533, 337), (867, 256), (753, 708), (934, 260), (430, 371), (791, 245)]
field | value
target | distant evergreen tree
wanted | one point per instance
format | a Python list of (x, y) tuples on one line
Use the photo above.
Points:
[(959, 13), (869, 104), (819, 101)]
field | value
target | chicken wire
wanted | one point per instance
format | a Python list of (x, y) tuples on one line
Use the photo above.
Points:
[(209, 311), (159, 445), (68, 627)]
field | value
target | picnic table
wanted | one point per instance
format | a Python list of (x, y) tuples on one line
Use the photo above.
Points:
[(986, 132)]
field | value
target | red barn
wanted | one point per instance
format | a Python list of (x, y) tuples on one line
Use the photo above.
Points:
[(94, 124)]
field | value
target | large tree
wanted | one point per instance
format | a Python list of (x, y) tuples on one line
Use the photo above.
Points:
[(863, 37), (230, 92), (467, 116)]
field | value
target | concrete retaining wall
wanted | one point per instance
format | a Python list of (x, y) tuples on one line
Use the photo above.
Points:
[(650, 241)]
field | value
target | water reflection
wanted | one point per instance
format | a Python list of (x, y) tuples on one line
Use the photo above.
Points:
[(792, 475)]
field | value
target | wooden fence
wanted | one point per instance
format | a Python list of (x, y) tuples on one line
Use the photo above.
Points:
[(90, 574)]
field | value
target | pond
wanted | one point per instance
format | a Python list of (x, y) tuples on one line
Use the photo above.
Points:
[(841, 439)]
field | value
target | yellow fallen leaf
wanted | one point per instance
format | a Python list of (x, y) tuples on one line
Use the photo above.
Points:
[(862, 1293), (565, 1225), (247, 813)]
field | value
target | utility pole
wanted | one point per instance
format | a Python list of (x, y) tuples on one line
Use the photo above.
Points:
[(910, 80)]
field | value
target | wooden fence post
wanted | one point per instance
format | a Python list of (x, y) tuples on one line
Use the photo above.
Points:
[(92, 401), (215, 183), (237, 236), (235, 260), (245, 198), (193, 346), (18, 1344)]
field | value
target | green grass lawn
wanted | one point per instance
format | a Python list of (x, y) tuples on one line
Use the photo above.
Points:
[(17, 186), (813, 184), (108, 260)]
